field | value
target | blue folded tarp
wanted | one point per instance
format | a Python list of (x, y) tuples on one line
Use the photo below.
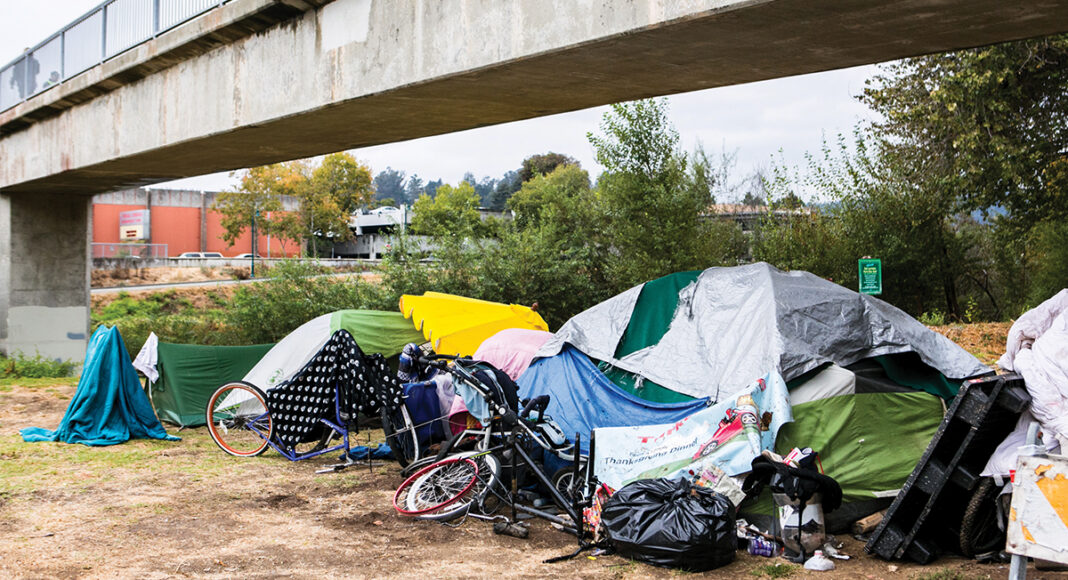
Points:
[(109, 407), (582, 398)]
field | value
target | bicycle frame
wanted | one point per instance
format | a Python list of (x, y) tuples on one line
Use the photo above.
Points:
[(293, 455)]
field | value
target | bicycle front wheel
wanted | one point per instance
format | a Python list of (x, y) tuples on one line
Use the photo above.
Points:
[(436, 486), (238, 419), (484, 498)]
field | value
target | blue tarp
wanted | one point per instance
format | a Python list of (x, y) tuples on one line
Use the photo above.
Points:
[(109, 407), (582, 398)]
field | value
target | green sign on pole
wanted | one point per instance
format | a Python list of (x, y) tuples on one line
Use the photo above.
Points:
[(870, 272)]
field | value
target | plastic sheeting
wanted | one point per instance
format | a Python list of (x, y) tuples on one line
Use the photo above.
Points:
[(1037, 349), (109, 407), (457, 325), (512, 349), (583, 399), (733, 325)]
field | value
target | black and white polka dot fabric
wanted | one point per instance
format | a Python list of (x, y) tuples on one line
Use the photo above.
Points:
[(363, 383)]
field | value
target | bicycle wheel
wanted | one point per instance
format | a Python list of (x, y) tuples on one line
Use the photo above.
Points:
[(979, 531), (436, 486), (238, 419), (485, 496), (400, 435)]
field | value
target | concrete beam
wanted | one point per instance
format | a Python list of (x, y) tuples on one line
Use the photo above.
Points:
[(356, 73), (44, 275)]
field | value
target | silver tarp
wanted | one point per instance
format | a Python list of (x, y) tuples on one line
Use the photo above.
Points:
[(733, 325)]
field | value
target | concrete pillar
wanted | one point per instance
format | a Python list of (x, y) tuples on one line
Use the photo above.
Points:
[(44, 274)]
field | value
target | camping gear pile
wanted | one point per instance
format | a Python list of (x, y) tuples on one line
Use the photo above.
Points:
[(675, 422)]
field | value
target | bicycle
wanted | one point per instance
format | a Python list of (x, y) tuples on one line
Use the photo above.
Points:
[(299, 417)]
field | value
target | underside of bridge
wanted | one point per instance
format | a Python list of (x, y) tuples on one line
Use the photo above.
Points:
[(260, 81)]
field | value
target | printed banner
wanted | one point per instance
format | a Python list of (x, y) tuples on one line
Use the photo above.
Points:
[(726, 436)]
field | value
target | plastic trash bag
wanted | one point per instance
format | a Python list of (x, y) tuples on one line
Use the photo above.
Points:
[(671, 523)]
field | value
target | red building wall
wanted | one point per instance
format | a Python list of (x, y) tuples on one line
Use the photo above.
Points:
[(180, 228)]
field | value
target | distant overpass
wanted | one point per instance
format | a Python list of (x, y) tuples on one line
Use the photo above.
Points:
[(259, 81)]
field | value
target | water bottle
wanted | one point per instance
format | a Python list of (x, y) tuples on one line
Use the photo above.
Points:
[(819, 562)]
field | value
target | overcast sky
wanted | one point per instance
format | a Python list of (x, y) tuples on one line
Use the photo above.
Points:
[(755, 120)]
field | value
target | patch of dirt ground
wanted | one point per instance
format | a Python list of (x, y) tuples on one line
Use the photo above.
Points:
[(184, 509), (116, 277)]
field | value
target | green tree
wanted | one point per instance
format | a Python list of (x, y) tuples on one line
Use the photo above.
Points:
[(452, 212), (543, 164), (330, 195), (653, 205), (261, 191), (981, 125)]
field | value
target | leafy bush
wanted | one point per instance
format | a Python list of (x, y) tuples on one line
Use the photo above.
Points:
[(22, 366), (266, 312)]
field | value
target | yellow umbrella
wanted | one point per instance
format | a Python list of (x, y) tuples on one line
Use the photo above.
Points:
[(458, 325)]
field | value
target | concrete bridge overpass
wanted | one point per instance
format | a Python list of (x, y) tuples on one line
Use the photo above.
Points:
[(259, 81)]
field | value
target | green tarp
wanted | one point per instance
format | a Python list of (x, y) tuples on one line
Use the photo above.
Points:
[(377, 331), (649, 321), (189, 374)]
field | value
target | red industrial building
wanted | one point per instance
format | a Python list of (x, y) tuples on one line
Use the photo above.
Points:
[(181, 220)]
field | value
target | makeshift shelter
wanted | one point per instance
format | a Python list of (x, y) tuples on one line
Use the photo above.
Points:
[(190, 373), (109, 406), (512, 349), (375, 331), (867, 381), (458, 325)]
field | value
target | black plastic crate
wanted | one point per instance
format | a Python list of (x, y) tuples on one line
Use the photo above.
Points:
[(926, 514)]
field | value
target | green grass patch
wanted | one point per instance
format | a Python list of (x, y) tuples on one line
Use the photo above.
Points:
[(776, 570), (19, 366)]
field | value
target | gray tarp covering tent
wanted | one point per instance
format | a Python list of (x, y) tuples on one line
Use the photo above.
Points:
[(867, 381), (733, 325)]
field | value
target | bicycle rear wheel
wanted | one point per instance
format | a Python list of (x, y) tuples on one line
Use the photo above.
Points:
[(238, 419), (400, 435), (436, 486)]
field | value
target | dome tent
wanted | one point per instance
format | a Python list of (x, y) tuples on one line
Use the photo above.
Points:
[(867, 381)]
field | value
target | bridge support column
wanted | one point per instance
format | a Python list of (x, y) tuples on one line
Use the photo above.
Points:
[(44, 275)]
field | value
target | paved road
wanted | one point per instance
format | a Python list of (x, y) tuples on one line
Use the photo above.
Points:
[(206, 283)]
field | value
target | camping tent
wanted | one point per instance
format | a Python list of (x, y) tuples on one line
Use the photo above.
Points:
[(867, 381), (717, 330), (190, 373), (109, 407), (375, 332)]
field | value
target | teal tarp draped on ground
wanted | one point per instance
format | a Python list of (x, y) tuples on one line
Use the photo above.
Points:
[(109, 407)]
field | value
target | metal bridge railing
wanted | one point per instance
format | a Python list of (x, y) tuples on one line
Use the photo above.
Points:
[(129, 250), (104, 32)]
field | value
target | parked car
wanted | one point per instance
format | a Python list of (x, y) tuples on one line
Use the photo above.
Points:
[(200, 255), (247, 256)]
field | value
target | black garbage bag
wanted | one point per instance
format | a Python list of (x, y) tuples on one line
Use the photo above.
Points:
[(671, 523)]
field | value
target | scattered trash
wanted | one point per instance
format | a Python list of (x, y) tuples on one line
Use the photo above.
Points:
[(819, 562), (891, 568), (830, 550), (760, 547)]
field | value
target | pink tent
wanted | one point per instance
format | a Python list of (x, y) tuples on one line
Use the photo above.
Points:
[(512, 349)]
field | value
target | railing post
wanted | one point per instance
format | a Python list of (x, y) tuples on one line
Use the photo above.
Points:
[(155, 17), (103, 33)]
